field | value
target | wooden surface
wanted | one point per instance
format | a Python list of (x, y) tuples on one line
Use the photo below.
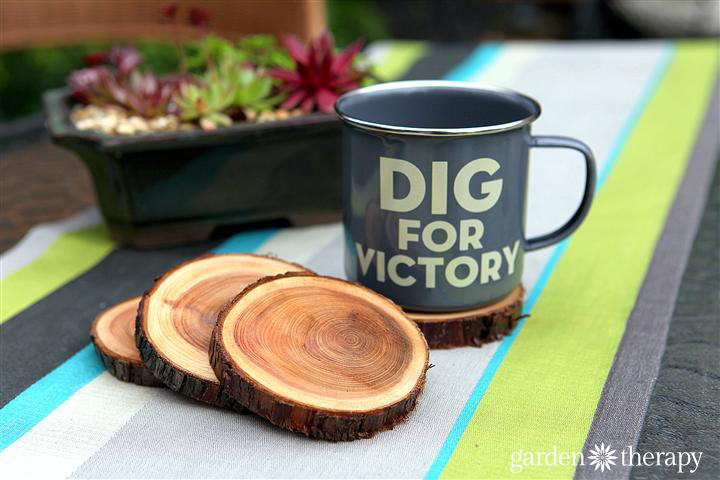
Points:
[(320, 356), (33, 22), (39, 183)]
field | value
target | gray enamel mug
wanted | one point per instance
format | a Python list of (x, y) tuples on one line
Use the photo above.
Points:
[(434, 191)]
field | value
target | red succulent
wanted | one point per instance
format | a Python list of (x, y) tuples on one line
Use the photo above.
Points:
[(198, 17), (143, 94), (121, 83), (95, 58), (124, 59), (169, 11), (320, 75), (89, 85)]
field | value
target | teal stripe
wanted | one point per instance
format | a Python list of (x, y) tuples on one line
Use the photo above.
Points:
[(48, 393), (483, 56), (37, 401), (246, 241), (484, 382)]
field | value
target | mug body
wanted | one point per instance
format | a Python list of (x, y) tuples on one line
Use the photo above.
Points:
[(435, 221)]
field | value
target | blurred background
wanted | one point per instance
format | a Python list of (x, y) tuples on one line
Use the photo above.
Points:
[(41, 41)]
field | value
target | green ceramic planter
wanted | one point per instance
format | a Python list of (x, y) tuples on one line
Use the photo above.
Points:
[(178, 187)]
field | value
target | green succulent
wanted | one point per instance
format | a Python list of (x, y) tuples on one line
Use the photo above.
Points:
[(261, 51), (235, 81), (264, 51), (206, 103), (252, 90), (229, 89)]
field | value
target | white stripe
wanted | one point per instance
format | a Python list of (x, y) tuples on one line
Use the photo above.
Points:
[(176, 438), (75, 430), (586, 92), (40, 237), (506, 68), (292, 244)]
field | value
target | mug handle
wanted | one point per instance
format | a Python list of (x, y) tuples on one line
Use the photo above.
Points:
[(551, 141)]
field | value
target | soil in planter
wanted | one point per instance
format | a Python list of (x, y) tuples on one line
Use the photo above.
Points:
[(113, 333), (320, 356), (178, 313)]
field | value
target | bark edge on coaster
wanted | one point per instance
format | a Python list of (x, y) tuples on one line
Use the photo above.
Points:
[(345, 410), (471, 328), (197, 381), (116, 346)]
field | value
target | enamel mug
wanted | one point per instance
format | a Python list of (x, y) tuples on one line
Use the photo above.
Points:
[(434, 191)]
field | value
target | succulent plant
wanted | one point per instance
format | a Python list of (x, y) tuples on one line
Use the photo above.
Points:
[(90, 85), (254, 79), (169, 11), (206, 103), (264, 51), (253, 90), (145, 94), (141, 94), (198, 17), (320, 75), (223, 91), (125, 59), (121, 83), (261, 51)]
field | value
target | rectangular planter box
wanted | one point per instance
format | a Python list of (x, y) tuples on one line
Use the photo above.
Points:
[(177, 187)]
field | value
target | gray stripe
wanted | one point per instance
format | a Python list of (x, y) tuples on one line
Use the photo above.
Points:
[(624, 400), (439, 60), (684, 413), (44, 335)]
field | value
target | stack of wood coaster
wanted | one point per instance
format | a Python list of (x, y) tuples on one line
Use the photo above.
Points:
[(312, 354), (113, 333)]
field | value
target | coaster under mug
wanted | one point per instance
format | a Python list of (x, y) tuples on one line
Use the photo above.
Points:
[(474, 327)]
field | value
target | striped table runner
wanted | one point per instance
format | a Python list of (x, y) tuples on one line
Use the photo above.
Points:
[(578, 372)]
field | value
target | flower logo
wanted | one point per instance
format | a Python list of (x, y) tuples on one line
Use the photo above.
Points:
[(602, 457)]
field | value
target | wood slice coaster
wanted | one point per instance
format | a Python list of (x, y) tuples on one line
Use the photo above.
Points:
[(320, 356), (471, 327), (113, 333), (178, 313)]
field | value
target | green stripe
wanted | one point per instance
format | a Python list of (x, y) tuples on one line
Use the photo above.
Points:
[(398, 59), (545, 392), (69, 256)]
